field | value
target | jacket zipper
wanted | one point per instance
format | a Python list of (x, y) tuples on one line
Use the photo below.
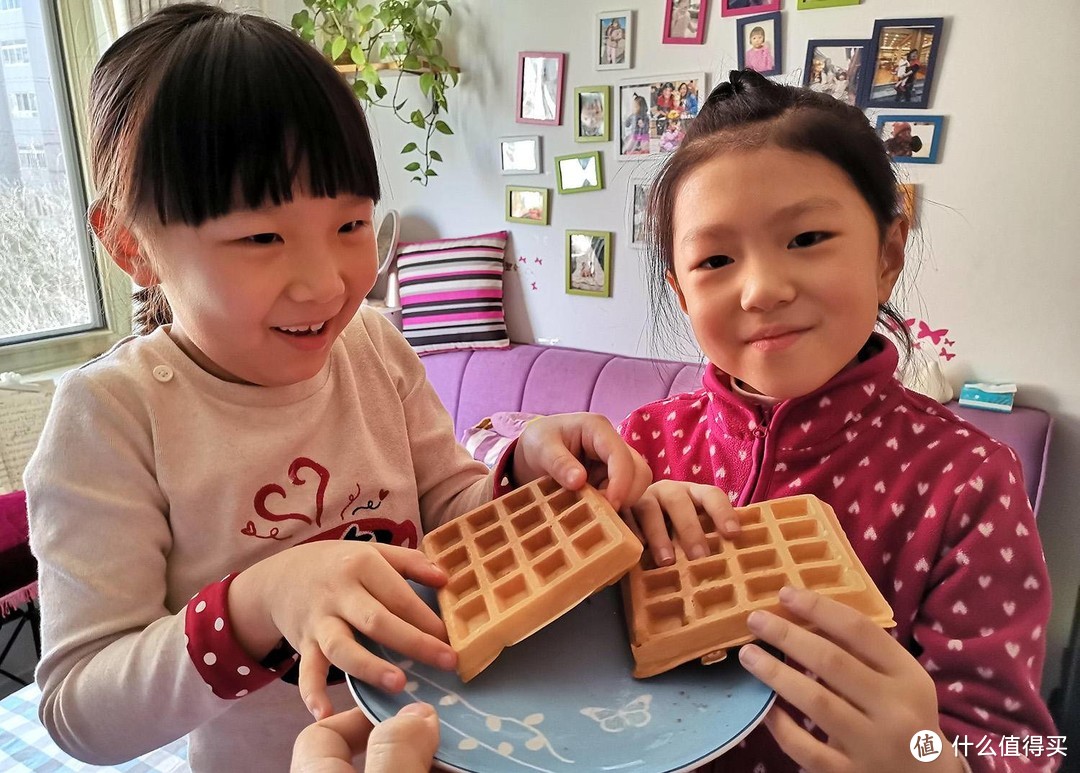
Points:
[(758, 473)]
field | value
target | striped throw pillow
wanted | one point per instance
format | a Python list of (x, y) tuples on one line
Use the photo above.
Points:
[(452, 293)]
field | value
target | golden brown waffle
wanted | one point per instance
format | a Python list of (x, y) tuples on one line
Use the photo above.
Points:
[(521, 561), (698, 609)]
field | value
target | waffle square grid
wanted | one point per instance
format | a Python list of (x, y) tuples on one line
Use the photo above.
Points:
[(698, 609), (521, 561)]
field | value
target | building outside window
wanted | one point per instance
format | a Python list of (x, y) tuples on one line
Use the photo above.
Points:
[(14, 52)]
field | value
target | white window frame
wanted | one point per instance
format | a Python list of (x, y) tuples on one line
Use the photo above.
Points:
[(10, 5), (14, 52), (77, 51), (24, 104)]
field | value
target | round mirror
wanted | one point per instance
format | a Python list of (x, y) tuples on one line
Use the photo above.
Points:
[(386, 239)]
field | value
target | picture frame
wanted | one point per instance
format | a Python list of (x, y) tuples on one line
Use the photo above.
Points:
[(909, 200), (836, 67), (540, 79), (685, 21), (588, 263), (766, 58), (911, 139), (810, 5), (520, 154), (579, 172), (614, 42), (638, 195), (527, 205), (646, 109), (903, 57), (592, 114), (742, 7)]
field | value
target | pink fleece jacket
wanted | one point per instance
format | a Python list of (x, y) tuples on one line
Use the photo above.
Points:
[(935, 509)]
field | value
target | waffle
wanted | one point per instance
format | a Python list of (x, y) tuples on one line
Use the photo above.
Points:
[(521, 561), (698, 609)]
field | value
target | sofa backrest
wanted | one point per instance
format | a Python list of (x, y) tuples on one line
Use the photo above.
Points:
[(545, 379)]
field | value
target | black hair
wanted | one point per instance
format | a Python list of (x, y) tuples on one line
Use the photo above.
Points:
[(750, 111), (197, 111)]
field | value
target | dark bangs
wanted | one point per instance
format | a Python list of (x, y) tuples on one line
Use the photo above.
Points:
[(241, 111)]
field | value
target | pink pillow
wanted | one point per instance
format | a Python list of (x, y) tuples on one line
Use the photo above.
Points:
[(452, 293)]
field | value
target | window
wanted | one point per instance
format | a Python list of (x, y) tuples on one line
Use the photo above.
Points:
[(14, 52), (24, 104), (51, 312)]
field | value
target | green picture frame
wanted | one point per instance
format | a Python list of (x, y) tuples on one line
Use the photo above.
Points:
[(592, 114), (528, 205), (579, 172), (810, 5), (588, 262)]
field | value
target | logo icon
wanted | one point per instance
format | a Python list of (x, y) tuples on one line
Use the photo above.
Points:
[(925, 746)]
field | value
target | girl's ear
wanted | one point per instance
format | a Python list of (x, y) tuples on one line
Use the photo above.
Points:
[(122, 246), (674, 283), (892, 257)]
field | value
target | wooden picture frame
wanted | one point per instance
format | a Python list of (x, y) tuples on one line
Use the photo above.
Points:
[(540, 79), (613, 45), (520, 154), (685, 21), (913, 138), (592, 114), (743, 7), (837, 67), (903, 56), (527, 205), (588, 263), (768, 58), (643, 112), (579, 172)]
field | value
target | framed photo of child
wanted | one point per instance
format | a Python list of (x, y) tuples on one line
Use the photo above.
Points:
[(540, 78), (760, 43), (741, 7), (835, 67), (614, 40), (654, 112), (527, 205), (588, 263), (684, 21), (903, 58), (592, 113), (911, 139)]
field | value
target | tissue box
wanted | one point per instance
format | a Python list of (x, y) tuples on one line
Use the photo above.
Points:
[(989, 397)]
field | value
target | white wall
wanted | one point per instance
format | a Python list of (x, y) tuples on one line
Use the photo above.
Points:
[(1000, 265)]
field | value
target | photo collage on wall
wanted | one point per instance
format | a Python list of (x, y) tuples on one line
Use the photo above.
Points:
[(646, 116)]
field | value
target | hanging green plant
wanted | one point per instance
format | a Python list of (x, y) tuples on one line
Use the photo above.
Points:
[(367, 41)]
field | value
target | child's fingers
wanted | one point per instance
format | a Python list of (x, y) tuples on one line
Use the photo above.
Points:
[(682, 512), (829, 711), (370, 617), (312, 681), (805, 750), (716, 503), (845, 673), (385, 581), (413, 564), (653, 528), (404, 743), (853, 631)]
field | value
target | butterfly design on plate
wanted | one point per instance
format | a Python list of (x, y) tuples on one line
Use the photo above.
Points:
[(933, 335), (633, 714)]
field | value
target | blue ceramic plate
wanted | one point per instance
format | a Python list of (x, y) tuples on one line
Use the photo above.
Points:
[(564, 700)]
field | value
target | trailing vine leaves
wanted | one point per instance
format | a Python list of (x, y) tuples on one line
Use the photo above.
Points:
[(367, 40)]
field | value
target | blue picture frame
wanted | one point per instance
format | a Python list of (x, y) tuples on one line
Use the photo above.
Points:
[(855, 89), (770, 23), (922, 39), (923, 131)]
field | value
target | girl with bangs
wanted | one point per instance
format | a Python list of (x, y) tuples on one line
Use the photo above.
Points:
[(218, 502)]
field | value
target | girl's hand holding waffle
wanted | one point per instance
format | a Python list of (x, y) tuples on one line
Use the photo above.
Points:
[(580, 448), (680, 504), (871, 697)]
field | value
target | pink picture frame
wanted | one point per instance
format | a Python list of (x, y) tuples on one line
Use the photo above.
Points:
[(685, 21), (743, 7), (540, 79)]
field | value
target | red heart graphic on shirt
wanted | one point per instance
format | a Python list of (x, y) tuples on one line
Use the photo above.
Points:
[(300, 463), (383, 494), (248, 530)]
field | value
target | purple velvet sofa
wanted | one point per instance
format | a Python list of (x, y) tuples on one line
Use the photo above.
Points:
[(543, 379)]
